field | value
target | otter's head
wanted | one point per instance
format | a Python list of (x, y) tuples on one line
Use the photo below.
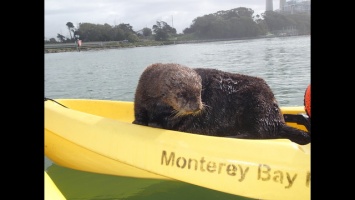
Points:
[(183, 91)]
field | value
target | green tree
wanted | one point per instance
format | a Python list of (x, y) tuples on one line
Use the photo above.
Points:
[(132, 37), (302, 22), (70, 28), (147, 32), (98, 32), (129, 33), (60, 37), (117, 34), (234, 23), (262, 26), (275, 21), (163, 31), (52, 40)]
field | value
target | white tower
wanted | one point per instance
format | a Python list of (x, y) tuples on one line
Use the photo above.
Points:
[(269, 5)]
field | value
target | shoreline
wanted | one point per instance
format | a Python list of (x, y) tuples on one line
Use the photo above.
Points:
[(94, 46)]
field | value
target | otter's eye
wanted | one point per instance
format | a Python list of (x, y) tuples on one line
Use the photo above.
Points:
[(179, 95)]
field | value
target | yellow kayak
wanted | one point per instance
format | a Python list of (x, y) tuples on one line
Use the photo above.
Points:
[(51, 192), (98, 136)]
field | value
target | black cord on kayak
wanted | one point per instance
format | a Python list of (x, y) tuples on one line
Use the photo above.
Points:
[(45, 99), (301, 119)]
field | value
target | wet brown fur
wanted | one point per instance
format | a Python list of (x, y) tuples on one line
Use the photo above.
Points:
[(210, 102), (166, 91)]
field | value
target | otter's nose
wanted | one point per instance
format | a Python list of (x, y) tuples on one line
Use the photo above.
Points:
[(196, 107)]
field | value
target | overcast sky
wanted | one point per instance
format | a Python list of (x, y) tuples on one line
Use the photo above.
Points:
[(138, 13)]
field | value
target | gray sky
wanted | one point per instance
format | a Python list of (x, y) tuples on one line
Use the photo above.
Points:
[(138, 13)]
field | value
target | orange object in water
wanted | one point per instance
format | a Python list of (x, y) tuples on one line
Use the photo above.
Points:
[(307, 100)]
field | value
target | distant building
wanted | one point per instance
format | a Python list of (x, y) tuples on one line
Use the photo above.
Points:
[(295, 6), (291, 6), (282, 4)]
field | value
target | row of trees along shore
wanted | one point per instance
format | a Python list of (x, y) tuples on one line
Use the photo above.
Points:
[(235, 23)]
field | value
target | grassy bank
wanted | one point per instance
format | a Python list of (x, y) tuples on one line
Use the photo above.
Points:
[(67, 47)]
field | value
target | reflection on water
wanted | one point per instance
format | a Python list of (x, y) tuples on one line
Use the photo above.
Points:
[(113, 74), (76, 184)]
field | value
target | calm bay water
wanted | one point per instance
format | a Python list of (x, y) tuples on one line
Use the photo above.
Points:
[(113, 74)]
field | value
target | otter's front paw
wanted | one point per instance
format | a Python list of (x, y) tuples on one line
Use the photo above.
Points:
[(139, 123), (155, 125)]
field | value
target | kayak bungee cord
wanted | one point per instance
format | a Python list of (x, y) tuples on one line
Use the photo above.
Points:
[(301, 119), (45, 99)]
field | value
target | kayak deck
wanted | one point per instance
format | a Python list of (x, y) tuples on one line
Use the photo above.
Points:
[(98, 136)]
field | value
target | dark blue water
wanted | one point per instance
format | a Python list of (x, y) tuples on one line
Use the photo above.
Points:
[(113, 74)]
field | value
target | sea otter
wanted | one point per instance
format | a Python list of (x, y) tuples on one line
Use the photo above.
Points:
[(164, 92), (210, 102)]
